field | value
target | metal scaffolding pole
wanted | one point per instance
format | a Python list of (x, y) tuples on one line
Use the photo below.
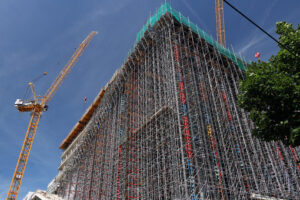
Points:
[(169, 127)]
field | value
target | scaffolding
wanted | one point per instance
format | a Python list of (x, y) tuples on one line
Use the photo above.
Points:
[(168, 127)]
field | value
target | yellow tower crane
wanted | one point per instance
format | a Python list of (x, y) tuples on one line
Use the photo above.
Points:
[(36, 106), (220, 22)]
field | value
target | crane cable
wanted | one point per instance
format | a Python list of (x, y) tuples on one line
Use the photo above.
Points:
[(260, 28), (26, 95)]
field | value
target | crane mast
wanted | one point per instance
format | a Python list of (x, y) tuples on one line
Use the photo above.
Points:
[(36, 108), (220, 25)]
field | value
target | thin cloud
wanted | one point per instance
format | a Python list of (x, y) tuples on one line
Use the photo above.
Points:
[(202, 23), (257, 38), (109, 9), (268, 11), (17, 62), (104, 10), (4, 187)]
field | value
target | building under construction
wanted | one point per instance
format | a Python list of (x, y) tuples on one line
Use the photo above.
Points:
[(167, 126)]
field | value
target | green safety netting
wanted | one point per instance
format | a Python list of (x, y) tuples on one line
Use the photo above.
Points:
[(166, 8)]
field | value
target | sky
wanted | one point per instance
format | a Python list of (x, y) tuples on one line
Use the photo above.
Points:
[(38, 36)]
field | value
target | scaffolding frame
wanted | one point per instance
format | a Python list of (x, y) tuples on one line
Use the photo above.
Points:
[(168, 127)]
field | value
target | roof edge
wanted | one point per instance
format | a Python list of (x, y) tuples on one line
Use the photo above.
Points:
[(166, 8), (79, 126)]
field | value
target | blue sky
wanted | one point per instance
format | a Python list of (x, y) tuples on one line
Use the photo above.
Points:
[(38, 36)]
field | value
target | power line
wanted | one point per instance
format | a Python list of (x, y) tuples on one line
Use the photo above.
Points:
[(260, 28)]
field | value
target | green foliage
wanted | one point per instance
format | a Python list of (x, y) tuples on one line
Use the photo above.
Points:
[(270, 91)]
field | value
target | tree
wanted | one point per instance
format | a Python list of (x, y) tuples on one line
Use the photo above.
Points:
[(270, 91)]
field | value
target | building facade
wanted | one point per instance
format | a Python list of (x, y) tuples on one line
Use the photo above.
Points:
[(167, 126)]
